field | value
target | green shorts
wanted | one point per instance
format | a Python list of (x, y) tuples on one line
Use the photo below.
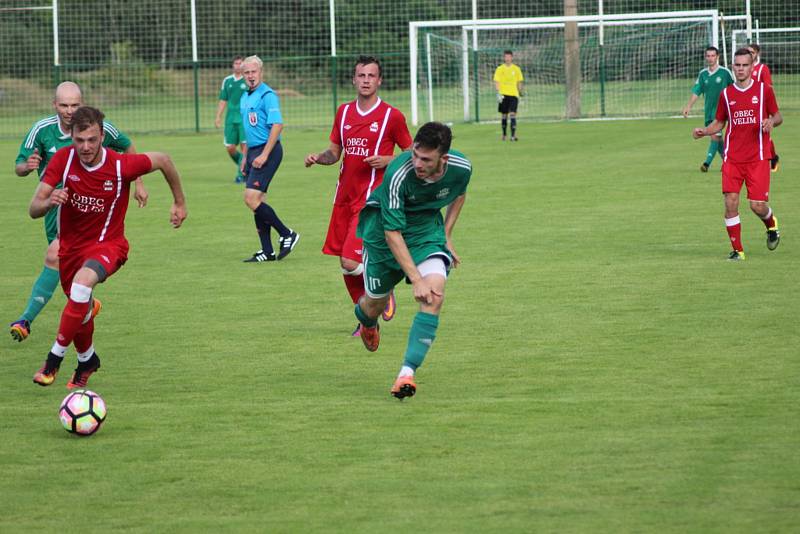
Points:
[(51, 225), (380, 278), (234, 134)]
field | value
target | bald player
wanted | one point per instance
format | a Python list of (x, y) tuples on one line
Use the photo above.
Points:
[(42, 141)]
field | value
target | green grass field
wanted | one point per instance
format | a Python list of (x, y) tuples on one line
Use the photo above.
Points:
[(599, 367)]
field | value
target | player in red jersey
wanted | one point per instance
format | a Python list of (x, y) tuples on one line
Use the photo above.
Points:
[(92, 206), (366, 130), (761, 73), (751, 112)]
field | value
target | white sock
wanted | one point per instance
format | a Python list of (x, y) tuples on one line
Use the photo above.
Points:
[(59, 350), (84, 356), (406, 371)]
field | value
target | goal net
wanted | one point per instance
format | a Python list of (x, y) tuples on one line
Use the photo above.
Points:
[(630, 64)]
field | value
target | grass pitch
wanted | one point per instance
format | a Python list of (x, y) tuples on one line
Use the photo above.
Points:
[(599, 365)]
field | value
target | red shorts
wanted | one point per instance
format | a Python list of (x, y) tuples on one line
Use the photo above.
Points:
[(111, 255), (341, 239), (754, 174)]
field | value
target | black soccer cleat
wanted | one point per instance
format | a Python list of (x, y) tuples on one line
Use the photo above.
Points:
[(287, 244), (82, 373), (775, 164), (704, 167), (261, 256), (736, 255)]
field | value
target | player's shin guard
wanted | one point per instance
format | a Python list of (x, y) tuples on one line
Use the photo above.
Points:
[(354, 282), (514, 127), (734, 228), (41, 293), (504, 126), (420, 338), (363, 318), (268, 216), (264, 237), (74, 313), (83, 339), (713, 148), (769, 220)]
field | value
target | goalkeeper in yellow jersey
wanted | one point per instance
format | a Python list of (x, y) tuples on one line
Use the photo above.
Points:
[(508, 82)]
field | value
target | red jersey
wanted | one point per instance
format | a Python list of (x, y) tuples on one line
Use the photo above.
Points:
[(98, 196), (745, 110), (761, 73), (362, 134)]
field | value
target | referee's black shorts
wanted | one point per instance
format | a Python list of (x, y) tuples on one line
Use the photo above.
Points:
[(508, 104)]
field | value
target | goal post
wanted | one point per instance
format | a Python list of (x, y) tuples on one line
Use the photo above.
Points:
[(472, 91), (780, 48)]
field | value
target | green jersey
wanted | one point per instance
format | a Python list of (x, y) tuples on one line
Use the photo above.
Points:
[(711, 84), (231, 92), (47, 137), (412, 206)]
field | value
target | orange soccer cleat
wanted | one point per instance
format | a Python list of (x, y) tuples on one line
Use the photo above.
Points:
[(371, 337), (46, 375), (404, 387), (390, 309), (82, 373)]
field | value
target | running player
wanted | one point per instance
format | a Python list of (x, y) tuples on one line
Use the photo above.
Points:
[(751, 112), (405, 236), (366, 130), (91, 215)]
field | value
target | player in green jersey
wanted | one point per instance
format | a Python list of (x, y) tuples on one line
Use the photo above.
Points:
[(43, 140), (230, 94), (711, 81), (406, 236)]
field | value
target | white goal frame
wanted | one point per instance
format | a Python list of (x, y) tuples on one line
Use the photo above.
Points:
[(756, 36), (711, 15)]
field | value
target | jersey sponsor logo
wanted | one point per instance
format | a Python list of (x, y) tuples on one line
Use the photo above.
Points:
[(357, 146), (755, 100), (252, 118), (374, 127), (443, 192), (74, 178), (108, 185), (87, 204), (744, 116)]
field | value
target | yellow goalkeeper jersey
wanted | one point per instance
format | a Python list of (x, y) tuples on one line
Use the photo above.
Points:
[(508, 77)]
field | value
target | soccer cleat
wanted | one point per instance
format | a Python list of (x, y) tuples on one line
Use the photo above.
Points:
[(371, 337), (20, 330), (775, 164), (287, 244), (736, 255), (47, 374), (704, 167), (390, 309), (773, 236), (357, 331), (514, 138), (261, 256), (82, 373), (404, 387)]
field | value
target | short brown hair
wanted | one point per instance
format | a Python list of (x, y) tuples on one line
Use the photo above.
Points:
[(368, 60), (85, 117), (434, 135)]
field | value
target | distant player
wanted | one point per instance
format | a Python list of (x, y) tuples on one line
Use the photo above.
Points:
[(366, 130), (751, 112), (405, 236), (43, 140), (508, 82), (263, 124), (711, 81), (230, 94), (91, 213), (761, 73)]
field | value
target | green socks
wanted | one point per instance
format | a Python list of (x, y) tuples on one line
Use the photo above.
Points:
[(713, 148), (41, 293), (363, 319), (420, 338)]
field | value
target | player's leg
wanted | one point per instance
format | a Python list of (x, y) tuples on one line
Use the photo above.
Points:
[(41, 293), (758, 184), (504, 125), (423, 329), (231, 140), (732, 180), (512, 114), (379, 281)]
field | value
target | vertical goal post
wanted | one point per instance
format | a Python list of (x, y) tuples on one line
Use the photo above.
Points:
[(713, 17)]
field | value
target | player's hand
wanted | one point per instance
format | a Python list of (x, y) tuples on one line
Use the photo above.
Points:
[(242, 164), (697, 133), (217, 122), (456, 257), (377, 162), (177, 214), (499, 98), (311, 159), (424, 292), (685, 112), (767, 125), (260, 160), (59, 197), (33, 161), (140, 193)]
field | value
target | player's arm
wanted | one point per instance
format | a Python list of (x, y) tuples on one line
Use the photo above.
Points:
[(272, 140), (30, 164), (450, 217), (140, 192), (45, 198), (423, 292), (162, 162), (712, 129), (328, 157), (688, 108), (220, 110), (771, 122)]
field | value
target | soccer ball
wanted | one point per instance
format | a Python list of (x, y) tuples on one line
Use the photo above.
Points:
[(82, 412)]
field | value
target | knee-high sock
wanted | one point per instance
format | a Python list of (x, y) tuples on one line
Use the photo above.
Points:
[(236, 157), (354, 282), (83, 339), (504, 125), (734, 228), (41, 293), (713, 148), (769, 220), (363, 318), (420, 339), (513, 127), (264, 230), (268, 215), (71, 321)]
